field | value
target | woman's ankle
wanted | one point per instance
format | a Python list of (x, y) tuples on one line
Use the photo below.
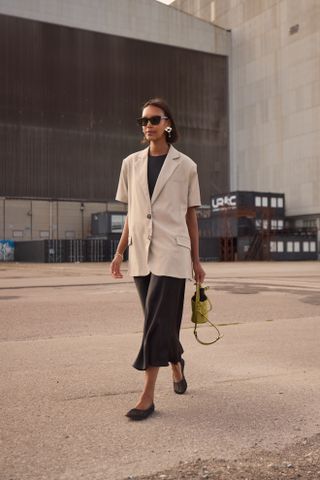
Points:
[(177, 371), (145, 401)]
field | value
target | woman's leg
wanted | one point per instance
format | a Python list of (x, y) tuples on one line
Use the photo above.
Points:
[(176, 372), (162, 303), (147, 396), (151, 373)]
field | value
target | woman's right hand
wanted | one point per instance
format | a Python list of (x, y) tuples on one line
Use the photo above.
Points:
[(115, 267)]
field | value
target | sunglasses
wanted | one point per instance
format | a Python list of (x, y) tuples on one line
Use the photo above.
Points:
[(143, 121)]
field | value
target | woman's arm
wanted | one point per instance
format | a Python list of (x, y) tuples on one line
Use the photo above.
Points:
[(192, 223), (118, 257)]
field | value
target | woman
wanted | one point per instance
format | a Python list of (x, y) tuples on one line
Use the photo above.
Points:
[(160, 186)]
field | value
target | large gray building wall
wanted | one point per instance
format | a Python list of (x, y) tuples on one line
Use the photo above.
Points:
[(274, 95), (148, 20)]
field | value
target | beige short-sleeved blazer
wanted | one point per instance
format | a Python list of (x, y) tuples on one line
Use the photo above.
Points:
[(159, 240)]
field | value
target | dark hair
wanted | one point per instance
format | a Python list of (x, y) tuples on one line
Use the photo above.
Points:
[(161, 103)]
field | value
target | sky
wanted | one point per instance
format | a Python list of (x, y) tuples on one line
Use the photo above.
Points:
[(167, 2)]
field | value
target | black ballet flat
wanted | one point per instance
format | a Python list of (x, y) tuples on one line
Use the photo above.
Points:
[(181, 387), (138, 414)]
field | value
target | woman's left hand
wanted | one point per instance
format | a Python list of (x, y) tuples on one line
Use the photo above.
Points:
[(199, 273)]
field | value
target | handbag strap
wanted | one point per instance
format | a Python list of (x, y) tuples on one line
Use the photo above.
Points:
[(198, 286), (207, 343)]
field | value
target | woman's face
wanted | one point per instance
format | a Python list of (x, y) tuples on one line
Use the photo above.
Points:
[(154, 132)]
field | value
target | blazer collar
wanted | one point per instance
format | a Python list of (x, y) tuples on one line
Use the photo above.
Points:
[(171, 162)]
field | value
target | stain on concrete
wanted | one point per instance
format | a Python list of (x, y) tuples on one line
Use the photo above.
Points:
[(244, 290), (13, 297), (311, 299)]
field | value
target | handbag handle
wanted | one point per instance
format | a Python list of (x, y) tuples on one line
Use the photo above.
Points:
[(198, 286), (207, 343)]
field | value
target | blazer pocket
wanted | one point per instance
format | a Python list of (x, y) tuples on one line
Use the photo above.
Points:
[(184, 241), (129, 240)]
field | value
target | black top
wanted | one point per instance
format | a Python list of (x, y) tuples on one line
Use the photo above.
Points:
[(154, 166)]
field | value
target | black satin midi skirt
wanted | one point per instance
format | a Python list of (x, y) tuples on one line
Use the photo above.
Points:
[(162, 303)]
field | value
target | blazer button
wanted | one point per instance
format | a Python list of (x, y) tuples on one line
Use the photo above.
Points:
[(149, 215)]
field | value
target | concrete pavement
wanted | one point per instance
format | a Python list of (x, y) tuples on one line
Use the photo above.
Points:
[(69, 334)]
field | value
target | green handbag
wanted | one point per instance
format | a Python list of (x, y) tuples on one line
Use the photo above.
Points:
[(201, 306)]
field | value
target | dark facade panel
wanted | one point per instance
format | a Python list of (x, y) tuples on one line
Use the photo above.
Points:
[(69, 99)]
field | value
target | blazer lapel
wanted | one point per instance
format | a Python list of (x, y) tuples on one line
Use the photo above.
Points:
[(141, 168), (170, 164)]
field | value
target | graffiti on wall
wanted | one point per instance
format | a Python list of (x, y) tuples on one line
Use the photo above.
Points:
[(6, 250)]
